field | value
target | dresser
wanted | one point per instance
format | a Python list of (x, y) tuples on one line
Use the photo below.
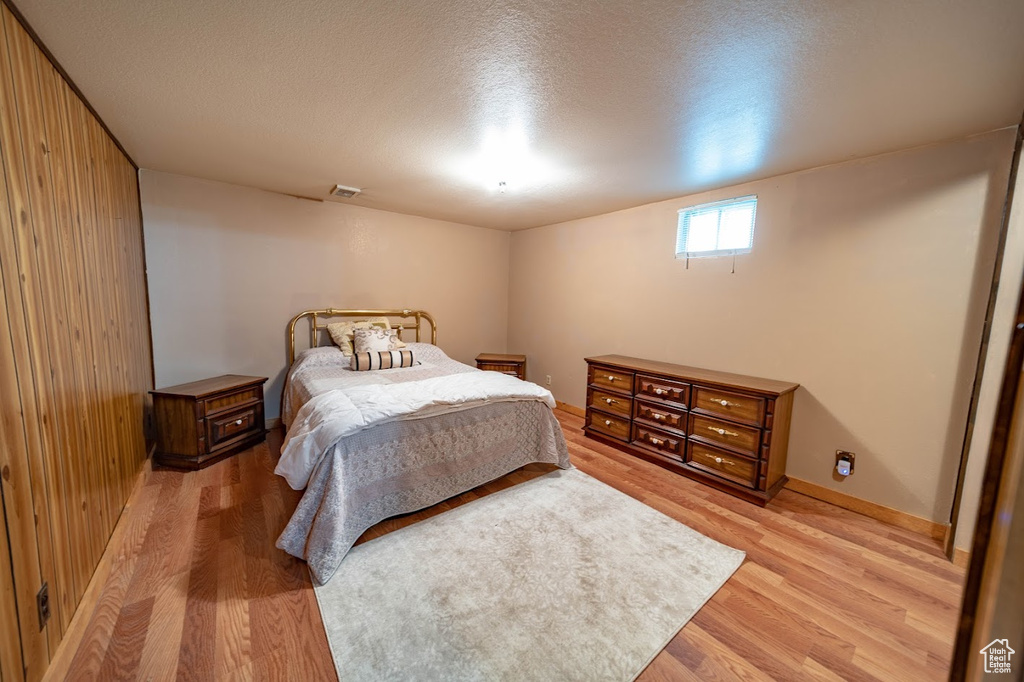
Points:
[(505, 363), (201, 422), (726, 430)]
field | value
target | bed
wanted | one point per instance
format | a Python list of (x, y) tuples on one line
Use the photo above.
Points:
[(368, 445)]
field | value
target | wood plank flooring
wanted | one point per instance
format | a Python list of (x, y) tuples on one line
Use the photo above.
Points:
[(199, 592)]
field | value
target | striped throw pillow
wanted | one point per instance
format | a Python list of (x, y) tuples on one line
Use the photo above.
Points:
[(382, 359)]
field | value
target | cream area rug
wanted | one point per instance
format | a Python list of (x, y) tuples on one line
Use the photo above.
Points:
[(558, 578)]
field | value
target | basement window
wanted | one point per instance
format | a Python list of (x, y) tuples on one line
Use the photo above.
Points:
[(722, 228)]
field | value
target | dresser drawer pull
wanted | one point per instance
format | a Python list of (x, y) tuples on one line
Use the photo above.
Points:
[(238, 422), (657, 415), (722, 401), (658, 391), (612, 378), (722, 432), (719, 460), (656, 441), (610, 401), (607, 422)]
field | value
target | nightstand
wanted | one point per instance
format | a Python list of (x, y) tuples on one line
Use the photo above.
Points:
[(504, 363), (201, 422)]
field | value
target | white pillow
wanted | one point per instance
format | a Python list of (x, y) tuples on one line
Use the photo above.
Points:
[(341, 332), (375, 339)]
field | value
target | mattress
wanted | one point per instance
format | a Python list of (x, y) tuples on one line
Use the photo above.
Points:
[(319, 370), (401, 466)]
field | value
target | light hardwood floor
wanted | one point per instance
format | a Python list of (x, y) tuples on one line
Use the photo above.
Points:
[(198, 591)]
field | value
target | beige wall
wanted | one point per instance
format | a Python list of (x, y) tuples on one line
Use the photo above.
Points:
[(1003, 318), (229, 266), (867, 285)]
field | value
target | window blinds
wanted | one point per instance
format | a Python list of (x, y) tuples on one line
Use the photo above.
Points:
[(722, 228)]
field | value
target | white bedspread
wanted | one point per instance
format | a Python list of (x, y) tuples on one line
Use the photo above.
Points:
[(330, 416)]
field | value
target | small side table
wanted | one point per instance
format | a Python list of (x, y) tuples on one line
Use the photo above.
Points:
[(203, 421), (504, 363)]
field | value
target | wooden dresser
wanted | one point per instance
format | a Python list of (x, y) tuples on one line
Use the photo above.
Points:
[(203, 421), (727, 430), (503, 362)]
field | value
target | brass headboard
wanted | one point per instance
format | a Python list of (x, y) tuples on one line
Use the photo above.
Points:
[(315, 327)]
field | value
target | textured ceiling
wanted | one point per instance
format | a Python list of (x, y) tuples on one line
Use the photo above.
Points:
[(620, 103)]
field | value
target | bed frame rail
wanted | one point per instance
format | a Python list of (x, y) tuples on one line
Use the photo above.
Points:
[(317, 325)]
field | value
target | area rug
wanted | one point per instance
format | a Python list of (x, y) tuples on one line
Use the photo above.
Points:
[(558, 578)]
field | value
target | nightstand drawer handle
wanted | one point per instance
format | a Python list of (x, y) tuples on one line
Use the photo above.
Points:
[(238, 422), (610, 401), (722, 432)]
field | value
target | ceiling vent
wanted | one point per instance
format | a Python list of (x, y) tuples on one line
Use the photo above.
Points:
[(345, 192)]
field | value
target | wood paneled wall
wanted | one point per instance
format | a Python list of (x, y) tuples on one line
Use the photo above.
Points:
[(75, 358)]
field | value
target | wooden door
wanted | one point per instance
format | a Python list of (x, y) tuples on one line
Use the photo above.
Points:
[(74, 347), (993, 601)]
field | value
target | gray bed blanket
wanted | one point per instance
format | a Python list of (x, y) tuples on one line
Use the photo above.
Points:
[(402, 466)]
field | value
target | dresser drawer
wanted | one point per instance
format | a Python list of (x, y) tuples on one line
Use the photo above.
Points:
[(660, 415), (229, 426), (663, 389), (665, 443), (726, 430), (734, 406), (732, 436), (609, 402), (498, 367), (616, 427), (721, 463), (615, 379), (221, 403)]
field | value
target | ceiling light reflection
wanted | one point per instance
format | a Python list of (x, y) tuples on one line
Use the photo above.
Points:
[(731, 122), (505, 162)]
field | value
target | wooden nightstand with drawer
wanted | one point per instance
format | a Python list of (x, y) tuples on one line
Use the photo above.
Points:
[(505, 363), (201, 422)]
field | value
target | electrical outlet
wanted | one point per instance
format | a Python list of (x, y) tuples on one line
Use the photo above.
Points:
[(547, 378), (848, 456)]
